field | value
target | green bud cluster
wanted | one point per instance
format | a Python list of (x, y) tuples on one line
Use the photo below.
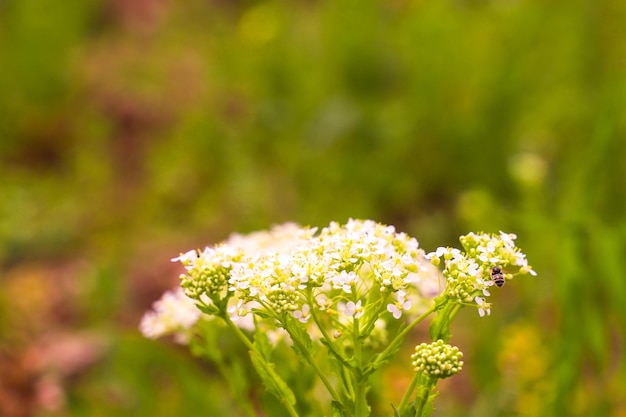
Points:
[(437, 360), (460, 286), (207, 278), (282, 300)]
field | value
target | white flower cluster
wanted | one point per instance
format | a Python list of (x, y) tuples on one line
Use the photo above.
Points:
[(174, 313), (355, 271), (469, 273)]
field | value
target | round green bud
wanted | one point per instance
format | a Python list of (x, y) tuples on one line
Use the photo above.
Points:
[(437, 359)]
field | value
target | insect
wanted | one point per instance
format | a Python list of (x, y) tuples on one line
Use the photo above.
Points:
[(497, 276)]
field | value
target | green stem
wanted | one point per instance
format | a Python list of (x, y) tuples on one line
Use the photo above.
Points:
[(403, 333), (329, 340), (239, 333), (360, 400), (415, 322), (292, 411), (315, 366), (408, 393), (448, 313), (423, 398), (455, 311), (243, 401)]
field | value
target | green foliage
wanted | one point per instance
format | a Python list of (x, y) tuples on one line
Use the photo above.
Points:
[(160, 381), (272, 381), (440, 325), (384, 357), (302, 344), (336, 410)]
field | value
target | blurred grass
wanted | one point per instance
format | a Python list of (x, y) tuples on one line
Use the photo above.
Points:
[(135, 130)]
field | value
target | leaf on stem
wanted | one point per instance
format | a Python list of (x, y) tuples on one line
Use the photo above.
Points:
[(263, 345), (384, 357), (336, 409), (302, 344), (440, 326), (210, 309), (423, 405), (334, 354), (271, 380)]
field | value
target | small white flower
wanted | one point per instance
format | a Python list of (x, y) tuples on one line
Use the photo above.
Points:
[(323, 302), (240, 315), (344, 281), (437, 253), (302, 315), (527, 270), (187, 257), (399, 306), (353, 309), (483, 307), (238, 311), (508, 239)]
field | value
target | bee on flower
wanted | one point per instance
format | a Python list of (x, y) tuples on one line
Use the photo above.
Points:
[(469, 273)]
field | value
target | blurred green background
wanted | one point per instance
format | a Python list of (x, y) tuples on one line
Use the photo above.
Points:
[(133, 130)]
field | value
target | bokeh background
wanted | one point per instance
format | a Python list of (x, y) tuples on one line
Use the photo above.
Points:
[(132, 130)]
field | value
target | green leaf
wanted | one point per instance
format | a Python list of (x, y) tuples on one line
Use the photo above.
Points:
[(211, 310), (238, 380), (428, 408), (440, 326), (332, 353), (409, 411), (263, 345), (336, 366), (205, 344), (263, 314), (336, 409), (271, 380), (382, 359), (302, 344), (367, 329)]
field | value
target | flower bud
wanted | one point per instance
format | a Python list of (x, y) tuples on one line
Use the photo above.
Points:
[(437, 360)]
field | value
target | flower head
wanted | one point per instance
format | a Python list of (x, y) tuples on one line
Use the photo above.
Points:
[(469, 273), (207, 271), (338, 266), (174, 313), (343, 272)]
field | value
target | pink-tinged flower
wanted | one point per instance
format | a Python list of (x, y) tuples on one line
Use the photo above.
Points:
[(302, 315), (173, 313), (399, 306), (353, 309)]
